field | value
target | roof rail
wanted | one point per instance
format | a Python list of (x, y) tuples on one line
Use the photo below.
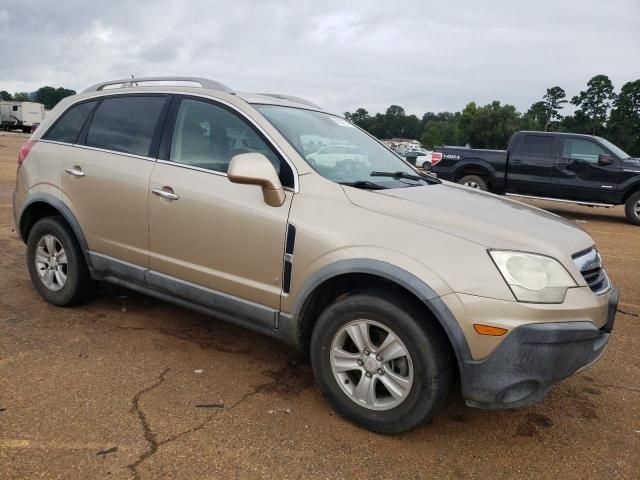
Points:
[(292, 98), (132, 82)]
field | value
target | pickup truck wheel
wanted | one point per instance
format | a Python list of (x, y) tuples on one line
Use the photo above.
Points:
[(632, 208), (378, 364), (474, 181)]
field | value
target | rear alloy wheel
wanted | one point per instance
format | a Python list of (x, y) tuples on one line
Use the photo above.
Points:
[(56, 264), (474, 181), (632, 208), (380, 362)]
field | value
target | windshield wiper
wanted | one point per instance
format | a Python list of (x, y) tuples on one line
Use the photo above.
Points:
[(365, 184), (407, 176)]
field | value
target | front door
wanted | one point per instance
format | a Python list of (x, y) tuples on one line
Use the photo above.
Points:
[(578, 176), (216, 242)]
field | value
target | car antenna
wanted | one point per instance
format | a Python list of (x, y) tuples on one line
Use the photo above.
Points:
[(133, 78)]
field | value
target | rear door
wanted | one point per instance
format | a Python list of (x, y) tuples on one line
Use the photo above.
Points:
[(106, 173), (578, 176), (531, 164)]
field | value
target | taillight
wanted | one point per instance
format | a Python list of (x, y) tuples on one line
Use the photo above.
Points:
[(24, 151), (436, 157)]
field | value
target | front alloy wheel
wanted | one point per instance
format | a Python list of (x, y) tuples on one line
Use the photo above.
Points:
[(381, 360), (371, 364)]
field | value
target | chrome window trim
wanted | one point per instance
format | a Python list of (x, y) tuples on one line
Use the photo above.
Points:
[(97, 149), (109, 93), (204, 170)]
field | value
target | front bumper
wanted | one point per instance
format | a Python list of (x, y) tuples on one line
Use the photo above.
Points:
[(532, 359)]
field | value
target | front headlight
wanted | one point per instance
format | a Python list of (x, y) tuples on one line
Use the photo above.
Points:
[(533, 278)]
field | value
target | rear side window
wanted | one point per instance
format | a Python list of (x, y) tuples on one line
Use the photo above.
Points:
[(125, 124), (537, 145), (68, 127)]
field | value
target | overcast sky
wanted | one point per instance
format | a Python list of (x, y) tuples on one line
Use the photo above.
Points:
[(422, 55)]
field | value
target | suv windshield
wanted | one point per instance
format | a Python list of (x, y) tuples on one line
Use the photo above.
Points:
[(338, 150)]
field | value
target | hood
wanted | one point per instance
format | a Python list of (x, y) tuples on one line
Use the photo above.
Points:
[(631, 163), (480, 217)]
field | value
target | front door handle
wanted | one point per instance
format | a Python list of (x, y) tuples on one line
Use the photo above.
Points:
[(75, 171), (166, 193)]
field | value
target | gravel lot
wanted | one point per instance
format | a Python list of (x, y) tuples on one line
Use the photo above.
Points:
[(115, 388)]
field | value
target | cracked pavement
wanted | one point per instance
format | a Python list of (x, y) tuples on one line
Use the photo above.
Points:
[(110, 390)]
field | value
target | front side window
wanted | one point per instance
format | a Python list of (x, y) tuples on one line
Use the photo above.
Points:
[(338, 150), (208, 136), (126, 124), (68, 126), (578, 149), (537, 145)]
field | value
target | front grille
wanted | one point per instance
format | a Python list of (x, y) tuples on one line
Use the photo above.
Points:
[(589, 262)]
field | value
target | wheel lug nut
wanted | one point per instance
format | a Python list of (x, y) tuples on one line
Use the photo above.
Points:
[(368, 374), (379, 358), (380, 371), (367, 352), (360, 362)]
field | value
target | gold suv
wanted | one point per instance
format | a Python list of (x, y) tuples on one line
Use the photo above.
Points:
[(270, 213)]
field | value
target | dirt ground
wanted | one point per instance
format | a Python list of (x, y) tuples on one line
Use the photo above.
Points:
[(127, 386)]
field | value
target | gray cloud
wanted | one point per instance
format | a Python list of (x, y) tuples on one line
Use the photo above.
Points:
[(418, 54)]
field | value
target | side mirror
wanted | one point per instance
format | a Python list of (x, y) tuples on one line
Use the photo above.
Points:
[(605, 159), (256, 169)]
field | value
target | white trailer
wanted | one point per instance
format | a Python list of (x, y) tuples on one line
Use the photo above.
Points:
[(25, 116)]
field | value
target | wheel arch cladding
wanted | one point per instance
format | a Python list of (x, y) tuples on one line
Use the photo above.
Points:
[(474, 166), (358, 274), (43, 205)]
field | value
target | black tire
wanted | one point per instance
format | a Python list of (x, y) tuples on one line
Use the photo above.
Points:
[(427, 345), (475, 180), (633, 202), (79, 284)]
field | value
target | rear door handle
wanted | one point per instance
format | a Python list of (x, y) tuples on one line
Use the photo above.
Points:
[(75, 171), (166, 193)]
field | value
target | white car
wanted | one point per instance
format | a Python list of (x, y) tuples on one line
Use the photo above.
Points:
[(328, 156), (422, 158)]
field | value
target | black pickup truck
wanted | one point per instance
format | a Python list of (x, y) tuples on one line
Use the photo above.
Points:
[(563, 167)]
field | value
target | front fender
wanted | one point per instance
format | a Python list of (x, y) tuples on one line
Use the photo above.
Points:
[(412, 283)]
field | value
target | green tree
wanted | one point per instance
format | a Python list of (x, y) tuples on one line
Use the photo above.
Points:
[(395, 121), (579, 122), (4, 95), (553, 101), (537, 117), (489, 126), (22, 97), (360, 117), (596, 101), (624, 121), (50, 96)]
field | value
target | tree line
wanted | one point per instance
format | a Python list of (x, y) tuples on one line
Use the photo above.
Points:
[(599, 111), (48, 96)]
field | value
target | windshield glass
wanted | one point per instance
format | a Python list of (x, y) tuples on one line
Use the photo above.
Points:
[(336, 149), (617, 151)]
